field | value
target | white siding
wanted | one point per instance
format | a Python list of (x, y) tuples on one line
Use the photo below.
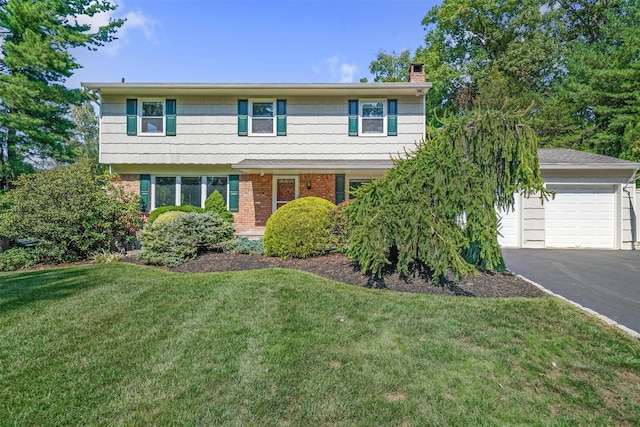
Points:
[(317, 128)]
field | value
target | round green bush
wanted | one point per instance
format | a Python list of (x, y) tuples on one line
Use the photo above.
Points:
[(299, 229), (183, 208), (169, 216)]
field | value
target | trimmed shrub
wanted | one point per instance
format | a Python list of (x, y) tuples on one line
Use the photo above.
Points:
[(172, 243), (17, 258), (153, 215), (299, 229), (70, 212), (215, 203), (244, 245), (169, 216)]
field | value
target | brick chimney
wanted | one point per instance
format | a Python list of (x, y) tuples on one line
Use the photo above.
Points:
[(416, 73)]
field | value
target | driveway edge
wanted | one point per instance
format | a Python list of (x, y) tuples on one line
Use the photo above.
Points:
[(594, 313)]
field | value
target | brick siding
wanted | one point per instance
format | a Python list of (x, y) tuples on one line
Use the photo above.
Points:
[(256, 197)]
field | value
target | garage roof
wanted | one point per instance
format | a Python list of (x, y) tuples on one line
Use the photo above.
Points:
[(565, 158)]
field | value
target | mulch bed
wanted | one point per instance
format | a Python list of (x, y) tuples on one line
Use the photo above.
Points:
[(339, 268)]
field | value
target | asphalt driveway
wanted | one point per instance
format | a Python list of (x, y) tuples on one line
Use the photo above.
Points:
[(605, 281)]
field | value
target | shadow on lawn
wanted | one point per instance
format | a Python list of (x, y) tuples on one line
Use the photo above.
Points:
[(24, 289)]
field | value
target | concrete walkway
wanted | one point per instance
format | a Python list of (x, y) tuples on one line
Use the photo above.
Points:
[(607, 282)]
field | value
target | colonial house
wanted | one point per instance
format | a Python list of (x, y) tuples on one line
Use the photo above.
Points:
[(263, 145)]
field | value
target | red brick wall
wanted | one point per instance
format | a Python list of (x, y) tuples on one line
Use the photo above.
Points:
[(131, 182), (255, 202), (256, 197), (322, 185)]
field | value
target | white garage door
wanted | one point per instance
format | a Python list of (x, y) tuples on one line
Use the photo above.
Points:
[(509, 226), (580, 217)]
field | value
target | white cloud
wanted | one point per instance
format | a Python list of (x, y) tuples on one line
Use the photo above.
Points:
[(136, 21), (339, 70)]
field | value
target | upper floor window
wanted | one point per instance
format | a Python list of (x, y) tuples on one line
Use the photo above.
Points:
[(262, 117), (151, 117), (373, 117)]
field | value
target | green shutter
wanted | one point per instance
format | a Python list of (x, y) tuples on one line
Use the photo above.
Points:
[(339, 188), (353, 117), (234, 193), (132, 117), (243, 117), (171, 117), (145, 187), (281, 112), (392, 117)]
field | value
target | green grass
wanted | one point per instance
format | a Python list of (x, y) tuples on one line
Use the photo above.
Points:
[(117, 344)]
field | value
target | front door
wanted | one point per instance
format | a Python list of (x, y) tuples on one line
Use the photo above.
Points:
[(285, 190)]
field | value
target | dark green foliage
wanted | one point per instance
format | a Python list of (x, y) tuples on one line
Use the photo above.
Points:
[(183, 208), (339, 217), (215, 203), (17, 258), (70, 212), (437, 204), (299, 229), (244, 245), (172, 243), (38, 37), (391, 67)]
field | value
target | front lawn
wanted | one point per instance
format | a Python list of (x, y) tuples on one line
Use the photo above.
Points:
[(119, 344)]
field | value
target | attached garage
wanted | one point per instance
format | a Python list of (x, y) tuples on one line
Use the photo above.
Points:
[(594, 205)]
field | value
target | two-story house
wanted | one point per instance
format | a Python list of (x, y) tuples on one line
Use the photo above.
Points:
[(259, 145), (263, 145)]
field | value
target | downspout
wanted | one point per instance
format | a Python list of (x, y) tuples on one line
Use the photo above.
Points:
[(632, 211)]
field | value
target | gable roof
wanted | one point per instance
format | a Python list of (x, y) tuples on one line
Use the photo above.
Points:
[(565, 158)]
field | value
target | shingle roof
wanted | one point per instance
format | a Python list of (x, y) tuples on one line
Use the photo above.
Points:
[(565, 158)]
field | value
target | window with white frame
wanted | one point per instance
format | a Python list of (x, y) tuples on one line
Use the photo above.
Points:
[(152, 117), (191, 190), (187, 190), (262, 117), (164, 191), (372, 117), (217, 183)]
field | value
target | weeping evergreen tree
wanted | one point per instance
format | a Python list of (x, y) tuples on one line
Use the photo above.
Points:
[(435, 209)]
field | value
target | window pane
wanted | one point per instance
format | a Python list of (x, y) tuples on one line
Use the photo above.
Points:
[(263, 109), (152, 125), (165, 191), (372, 125), (372, 109), (152, 109), (191, 191), (261, 125), (217, 183)]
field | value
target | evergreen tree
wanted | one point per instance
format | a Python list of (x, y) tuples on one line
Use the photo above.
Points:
[(35, 62), (435, 209)]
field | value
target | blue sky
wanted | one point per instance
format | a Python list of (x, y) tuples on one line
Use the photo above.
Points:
[(252, 41)]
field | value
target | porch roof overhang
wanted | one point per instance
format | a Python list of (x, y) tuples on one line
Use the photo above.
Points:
[(260, 89), (311, 166)]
